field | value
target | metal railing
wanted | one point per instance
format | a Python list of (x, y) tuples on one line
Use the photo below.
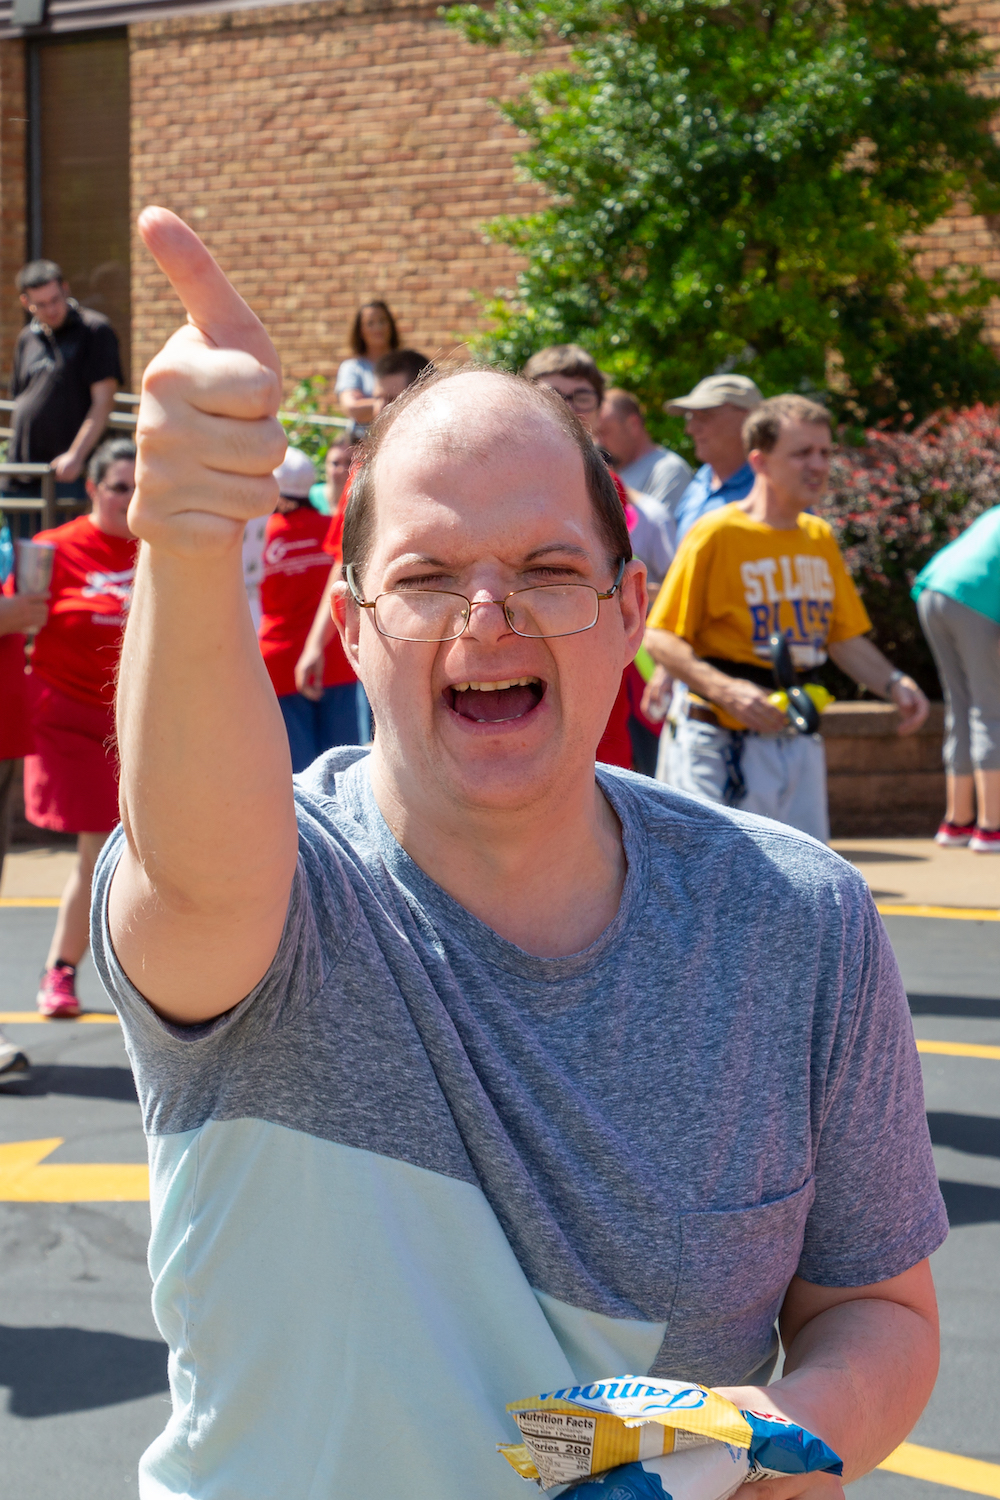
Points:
[(46, 502), (125, 419)]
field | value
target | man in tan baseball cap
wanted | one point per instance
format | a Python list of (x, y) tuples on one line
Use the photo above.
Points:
[(714, 413)]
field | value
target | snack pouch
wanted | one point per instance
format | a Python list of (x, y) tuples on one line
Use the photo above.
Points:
[(687, 1439)]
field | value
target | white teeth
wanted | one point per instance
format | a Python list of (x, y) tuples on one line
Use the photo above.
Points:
[(493, 687)]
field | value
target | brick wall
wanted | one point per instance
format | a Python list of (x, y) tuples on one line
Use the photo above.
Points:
[(13, 185), (326, 152), (965, 238)]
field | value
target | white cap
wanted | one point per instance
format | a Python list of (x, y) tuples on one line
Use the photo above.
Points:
[(296, 475), (717, 390)]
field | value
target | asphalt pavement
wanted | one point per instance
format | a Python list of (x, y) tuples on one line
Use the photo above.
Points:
[(80, 1357)]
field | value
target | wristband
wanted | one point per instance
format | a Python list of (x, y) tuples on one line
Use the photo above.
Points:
[(894, 676)]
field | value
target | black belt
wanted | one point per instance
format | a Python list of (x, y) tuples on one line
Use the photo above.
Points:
[(762, 676)]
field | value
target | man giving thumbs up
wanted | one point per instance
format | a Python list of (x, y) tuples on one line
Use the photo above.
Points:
[(467, 1070)]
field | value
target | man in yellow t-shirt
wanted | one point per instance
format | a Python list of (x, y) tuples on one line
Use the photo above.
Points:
[(757, 568)]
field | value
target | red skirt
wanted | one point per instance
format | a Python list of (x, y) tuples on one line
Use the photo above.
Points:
[(71, 782)]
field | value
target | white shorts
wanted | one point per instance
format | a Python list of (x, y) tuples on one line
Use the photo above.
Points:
[(784, 774)]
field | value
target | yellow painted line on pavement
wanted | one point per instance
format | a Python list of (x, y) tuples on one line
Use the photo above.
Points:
[(958, 1049), (957, 913), (32, 1018), (30, 900), (24, 1180), (950, 1469)]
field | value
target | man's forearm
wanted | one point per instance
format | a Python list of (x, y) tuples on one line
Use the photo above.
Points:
[(678, 657), (206, 792), (861, 659), (858, 1375), (93, 424)]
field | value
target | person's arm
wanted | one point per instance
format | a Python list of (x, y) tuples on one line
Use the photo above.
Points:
[(742, 700), (20, 613), (69, 465), (861, 659), (199, 897), (356, 405), (860, 1365), (310, 665)]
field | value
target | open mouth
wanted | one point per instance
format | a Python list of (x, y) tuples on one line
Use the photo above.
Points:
[(495, 702)]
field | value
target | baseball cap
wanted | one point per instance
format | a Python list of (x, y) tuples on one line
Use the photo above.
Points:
[(717, 390), (296, 475)]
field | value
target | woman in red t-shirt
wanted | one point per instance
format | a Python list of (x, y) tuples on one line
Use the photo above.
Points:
[(71, 781), (18, 613), (296, 570)]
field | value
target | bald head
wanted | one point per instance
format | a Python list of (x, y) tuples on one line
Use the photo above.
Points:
[(482, 417)]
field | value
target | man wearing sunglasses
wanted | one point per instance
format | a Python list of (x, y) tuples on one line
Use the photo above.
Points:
[(465, 1068)]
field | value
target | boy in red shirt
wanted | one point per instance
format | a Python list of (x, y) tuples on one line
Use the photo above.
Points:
[(296, 570)]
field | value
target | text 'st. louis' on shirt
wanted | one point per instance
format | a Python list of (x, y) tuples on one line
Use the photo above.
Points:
[(419, 1173)]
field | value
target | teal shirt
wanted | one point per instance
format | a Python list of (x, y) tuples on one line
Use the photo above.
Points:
[(318, 500), (968, 569)]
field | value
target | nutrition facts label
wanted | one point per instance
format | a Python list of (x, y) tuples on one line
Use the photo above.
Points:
[(561, 1443)]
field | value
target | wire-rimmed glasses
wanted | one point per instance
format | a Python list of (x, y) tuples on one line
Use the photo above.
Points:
[(542, 612)]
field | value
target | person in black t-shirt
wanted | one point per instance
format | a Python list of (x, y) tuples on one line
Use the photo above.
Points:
[(66, 371)]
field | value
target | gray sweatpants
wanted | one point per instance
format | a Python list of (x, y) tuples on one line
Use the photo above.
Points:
[(784, 774), (966, 648)]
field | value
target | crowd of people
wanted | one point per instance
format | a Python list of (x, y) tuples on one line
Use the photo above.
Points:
[(737, 561)]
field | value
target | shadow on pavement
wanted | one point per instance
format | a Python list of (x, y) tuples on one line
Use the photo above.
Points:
[(53, 1370), (977, 1134), (954, 1005), (968, 1203), (85, 1083)]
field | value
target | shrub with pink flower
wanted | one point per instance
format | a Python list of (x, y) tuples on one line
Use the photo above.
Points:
[(896, 500)]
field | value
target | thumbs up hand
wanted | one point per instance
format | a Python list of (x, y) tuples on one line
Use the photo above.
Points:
[(207, 434)]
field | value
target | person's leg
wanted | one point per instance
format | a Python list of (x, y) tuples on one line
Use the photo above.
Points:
[(8, 775), (338, 717), (978, 639), (699, 760), (300, 724), (664, 752), (365, 726), (57, 994), (72, 934), (765, 775), (803, 803), (937, 620), (13, 1063)]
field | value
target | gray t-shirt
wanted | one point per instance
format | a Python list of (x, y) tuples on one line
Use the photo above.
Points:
[(660, 473), (419, 1173)]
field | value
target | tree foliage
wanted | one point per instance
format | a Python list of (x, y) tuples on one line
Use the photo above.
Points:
[(738, 184)]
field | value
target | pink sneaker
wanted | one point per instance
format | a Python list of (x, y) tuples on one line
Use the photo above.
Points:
[(57, 994), (985, 841), (954, 835)]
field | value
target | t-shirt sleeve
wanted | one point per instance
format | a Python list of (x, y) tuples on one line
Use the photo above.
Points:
[(354, 376), (849, 618), (680, 604), (877, 1209), (103, 361), (181, 1071)]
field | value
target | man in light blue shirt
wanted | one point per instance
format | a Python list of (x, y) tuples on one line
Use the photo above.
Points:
[(714, 414)]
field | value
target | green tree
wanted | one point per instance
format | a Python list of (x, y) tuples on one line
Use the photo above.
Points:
[(739, 184)]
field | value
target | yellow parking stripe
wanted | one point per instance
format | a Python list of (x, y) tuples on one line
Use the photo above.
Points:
[(958, 913), (30, 900), (32, 1018), (958, 1049), (944, 1468), (24, 1180)]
